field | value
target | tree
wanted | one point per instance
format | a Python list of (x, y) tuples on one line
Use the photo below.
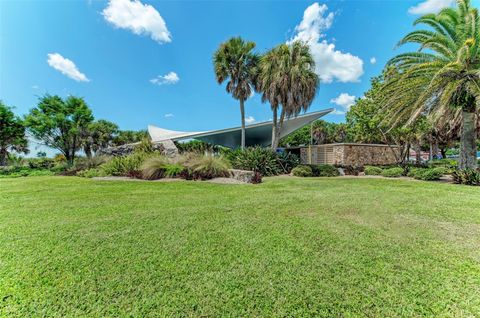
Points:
[(235, 62), (442, 74), (59, 123), (12, 134), (318, 133), (129, 137), (288, 81), (98, 135)]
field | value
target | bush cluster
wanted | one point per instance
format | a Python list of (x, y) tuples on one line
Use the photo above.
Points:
[(23, 171), (372, 171), (467, 177), (315, 171), (262, 160), (395, 172)]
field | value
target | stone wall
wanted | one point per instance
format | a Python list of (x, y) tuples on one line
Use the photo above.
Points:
[(350, 154)]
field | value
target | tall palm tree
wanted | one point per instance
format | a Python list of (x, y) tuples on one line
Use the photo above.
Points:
[(443, 74), (236, 62), (287, 80)]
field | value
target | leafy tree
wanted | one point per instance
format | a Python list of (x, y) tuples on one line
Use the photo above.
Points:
[(98, 135), (287, 80), (318, 133), (442, 74), (59, 123), (129, 137), (12, 134), (235, 62)]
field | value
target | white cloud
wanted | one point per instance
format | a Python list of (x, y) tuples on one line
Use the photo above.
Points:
[(345, 101), (169, 115), (35, 87), (249, 120), (331, 64), (373, 60), (170, 78), (137, 17), (430, 6), (66, 67)]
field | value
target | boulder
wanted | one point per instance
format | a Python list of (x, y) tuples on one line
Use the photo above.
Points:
[(242, 175)]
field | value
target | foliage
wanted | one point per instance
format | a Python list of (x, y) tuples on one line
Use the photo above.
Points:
[(302, 171), (467, 177), (40, 163), (59, 123), (448, 163), (197, 146), (22, 171), (91, 173), (12, 134), (442, 74), (259, 159), (324, 171), (154, 168), (287, 161), (287, 80), (129, 137), (372, 171), (128, 166), (236, 63), (393, 172), (206, 167), (83, 163), (98, 135), (430, 174), (145, 146), (323, 133)]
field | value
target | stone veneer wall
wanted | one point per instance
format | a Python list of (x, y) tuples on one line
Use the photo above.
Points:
[(350, 154)]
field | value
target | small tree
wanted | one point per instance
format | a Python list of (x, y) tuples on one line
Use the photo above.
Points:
[(12, 134), (98, 135), (60, 124)]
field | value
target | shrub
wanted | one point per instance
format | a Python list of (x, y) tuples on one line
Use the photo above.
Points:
[(288, 161), (41, 163), (263, 160), (208, 167), (125, 166), (324, 171), (414, 171), (429, 174), (18, 171), (393, 172), (466, 176), (302, 171), (373, 171), (257, 177), (91, 173), (154, 168), (449, 163)]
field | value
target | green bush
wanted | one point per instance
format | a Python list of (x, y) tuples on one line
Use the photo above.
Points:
[(258, 159), (91, 173), (324, 171), (288, 161), (207, 167), (429, 174), (154, 168), (373, 171), (393, 172), (414, 171), (18, 171), (125, 166), (302, 171), (449, 163), (173, 170), (467, 177), (41, 163)]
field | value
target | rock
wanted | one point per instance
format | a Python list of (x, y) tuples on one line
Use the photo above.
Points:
[(242, 175), (341, 172), (166, 148)]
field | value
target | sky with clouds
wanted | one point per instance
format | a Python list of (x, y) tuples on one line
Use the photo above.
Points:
[(150, 62)]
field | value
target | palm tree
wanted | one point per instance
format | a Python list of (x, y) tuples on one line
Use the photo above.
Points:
[(287, 79), (236, 62), (442, 75)]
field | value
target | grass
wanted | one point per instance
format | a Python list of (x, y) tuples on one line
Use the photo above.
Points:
[(331, 247)]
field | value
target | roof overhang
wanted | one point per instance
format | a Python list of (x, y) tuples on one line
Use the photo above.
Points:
[(255, 134)]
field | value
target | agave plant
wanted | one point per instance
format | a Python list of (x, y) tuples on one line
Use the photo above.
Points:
[(441, 76)]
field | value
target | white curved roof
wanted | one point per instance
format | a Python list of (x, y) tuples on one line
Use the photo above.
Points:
[(255, 134)]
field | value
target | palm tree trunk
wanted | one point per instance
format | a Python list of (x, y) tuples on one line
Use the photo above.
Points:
[(468, 147), (274, 126), (242, 113), (279, 128), (3, 156)]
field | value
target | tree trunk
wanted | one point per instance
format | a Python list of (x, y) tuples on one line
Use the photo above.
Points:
[(88, 151), (418, 153), (278, 130), (3, 157), (443, 151), (274, 126), (468, 146), (242, 113)]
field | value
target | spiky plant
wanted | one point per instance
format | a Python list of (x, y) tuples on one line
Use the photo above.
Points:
[(235, 62), (287, 80), (442, 75)]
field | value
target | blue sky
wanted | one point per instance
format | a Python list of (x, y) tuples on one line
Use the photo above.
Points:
[(150, 62)]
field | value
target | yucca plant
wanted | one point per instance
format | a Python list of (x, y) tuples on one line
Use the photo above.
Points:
[(442, 75)]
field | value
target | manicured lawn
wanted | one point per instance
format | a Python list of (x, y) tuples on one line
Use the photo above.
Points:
[(289, 247)]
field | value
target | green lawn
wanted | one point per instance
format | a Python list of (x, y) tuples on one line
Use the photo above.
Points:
[(288, 247)]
